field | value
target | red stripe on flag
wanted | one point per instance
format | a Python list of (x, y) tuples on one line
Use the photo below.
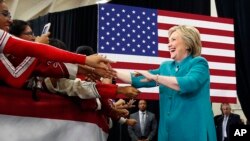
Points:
[(194, 16), (217, 99), (165, 26), (223, 86)]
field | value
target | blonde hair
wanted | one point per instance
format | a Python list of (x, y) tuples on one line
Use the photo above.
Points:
[(191, 37)]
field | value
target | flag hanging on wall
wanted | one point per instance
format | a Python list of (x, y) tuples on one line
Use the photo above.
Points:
[(137, 39)]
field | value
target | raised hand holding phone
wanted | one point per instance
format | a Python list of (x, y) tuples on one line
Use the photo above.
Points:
[(46, 28)]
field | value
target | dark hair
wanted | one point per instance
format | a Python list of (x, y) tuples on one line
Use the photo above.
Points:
[(17, 27), (87, 50), (57, 43)]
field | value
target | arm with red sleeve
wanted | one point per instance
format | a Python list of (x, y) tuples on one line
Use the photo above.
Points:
[(21, 48)]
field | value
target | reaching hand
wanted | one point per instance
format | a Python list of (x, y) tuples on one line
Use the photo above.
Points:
[(98, 61), (44, 38), (122, 112), (110, 73), (125, 105), (131, 122), (129, 91)]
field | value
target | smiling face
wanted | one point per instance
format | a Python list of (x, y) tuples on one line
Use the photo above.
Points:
[(177, 47), (5, 18), (184, 40)]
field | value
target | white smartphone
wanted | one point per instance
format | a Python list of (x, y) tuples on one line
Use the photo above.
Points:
[(46, 28)]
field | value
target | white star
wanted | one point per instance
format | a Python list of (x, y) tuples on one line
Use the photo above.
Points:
[(118, 24), (102, 8), (128, 16), (128, 25), (118, 44), (143, 13), (153, 23), (113, 9), (123, 49), (123, 30), (123, 10), (128, 45), (148, 27), (113, 48), (143, 51), (107, 43), (113, 38), (153, 14), (143, 22), (107, 14), (113, 19), (128, 35), (138, 17), (102, 18), (123, 39), (123, 20), (118, 34), (102, 47), (153, 42), (138, 36), (148, 47), (143, 41), (133, 50), (148, 18), (153, 52), (153, 33), (102, 27), (138, 26), (133, 11), (138, 45), (118, 15), (133, 21), (107, 23), (102, 38), (148, 37), (107, 33), (133, 40), (133, 31), (143, 31), (113, 29)]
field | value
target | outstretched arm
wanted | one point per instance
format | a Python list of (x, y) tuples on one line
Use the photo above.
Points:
[(21, 48), (124, 76)]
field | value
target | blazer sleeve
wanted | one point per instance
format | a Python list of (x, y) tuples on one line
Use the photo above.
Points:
[(136, 81)]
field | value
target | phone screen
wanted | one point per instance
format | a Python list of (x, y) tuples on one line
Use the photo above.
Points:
[(46, 28)]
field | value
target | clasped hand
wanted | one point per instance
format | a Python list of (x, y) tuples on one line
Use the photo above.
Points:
[(148, 76)]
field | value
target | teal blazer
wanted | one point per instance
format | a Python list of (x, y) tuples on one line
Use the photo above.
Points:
[(185, 115)]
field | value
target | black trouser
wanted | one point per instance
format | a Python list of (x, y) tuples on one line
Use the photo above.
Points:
[(143, 138), (225, 139)]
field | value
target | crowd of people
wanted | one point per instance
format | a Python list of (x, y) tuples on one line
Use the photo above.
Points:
[(90, 80)]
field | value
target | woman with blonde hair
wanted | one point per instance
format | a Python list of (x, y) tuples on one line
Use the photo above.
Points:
[(184, 89)]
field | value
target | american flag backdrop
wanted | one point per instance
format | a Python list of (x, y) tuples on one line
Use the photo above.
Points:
[(137, 39)]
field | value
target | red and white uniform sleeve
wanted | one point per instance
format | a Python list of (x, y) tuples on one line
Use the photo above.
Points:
[(20, 48)]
